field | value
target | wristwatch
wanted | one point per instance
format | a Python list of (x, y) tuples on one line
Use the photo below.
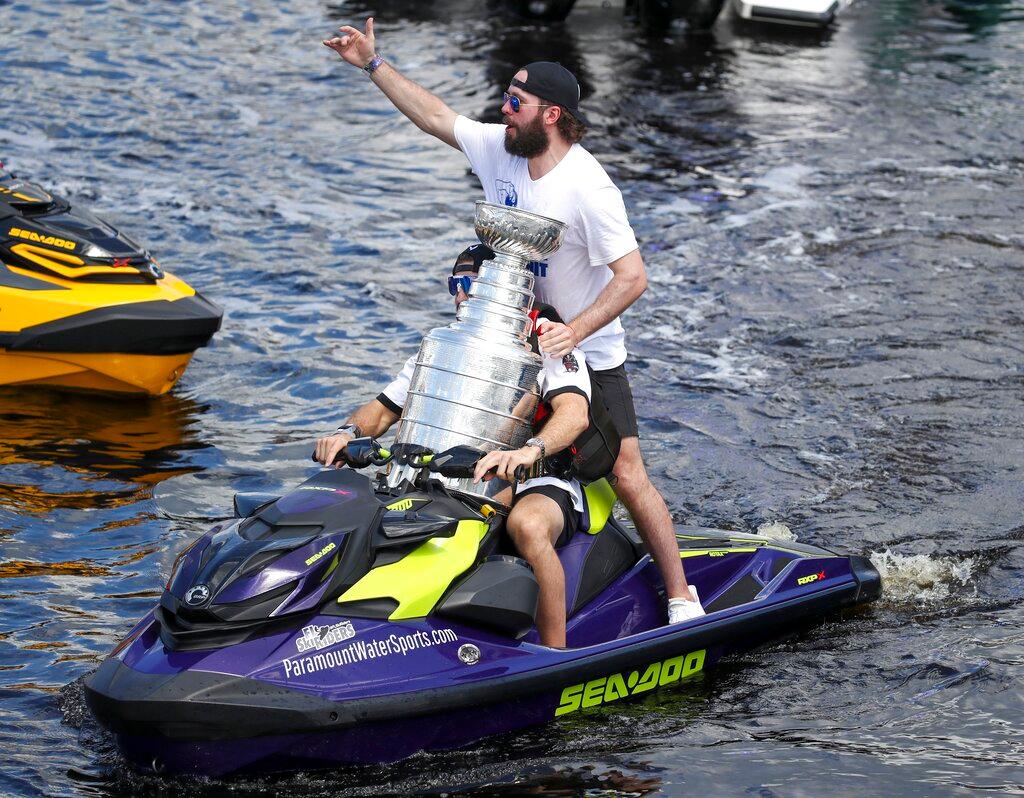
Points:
[(539, 443), (350, 429), (371, 66)]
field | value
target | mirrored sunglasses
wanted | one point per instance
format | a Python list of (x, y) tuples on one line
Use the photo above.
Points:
[(515, 103), (456, 283)]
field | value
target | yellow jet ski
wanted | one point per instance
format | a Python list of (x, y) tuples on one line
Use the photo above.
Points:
[(83, 306)]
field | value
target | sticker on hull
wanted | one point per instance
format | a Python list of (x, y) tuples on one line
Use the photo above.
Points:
[(806, 580), (606, 689), (31, 235), (321, 554), (359, 650), (404, 505), (318, 637)]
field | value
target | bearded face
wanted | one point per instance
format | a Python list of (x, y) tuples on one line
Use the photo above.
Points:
[(526, 141)]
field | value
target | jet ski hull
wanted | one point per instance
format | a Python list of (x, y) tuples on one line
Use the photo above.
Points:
[(126, 347), (107, 371), (264, 704)]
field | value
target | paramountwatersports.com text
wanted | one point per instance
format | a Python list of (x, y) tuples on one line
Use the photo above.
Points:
[(363, 650)]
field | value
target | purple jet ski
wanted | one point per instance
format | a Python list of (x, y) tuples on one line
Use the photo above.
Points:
[(345, 623)]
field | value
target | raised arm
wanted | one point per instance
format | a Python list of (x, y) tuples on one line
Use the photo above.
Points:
[(427, 111), (629, 281)]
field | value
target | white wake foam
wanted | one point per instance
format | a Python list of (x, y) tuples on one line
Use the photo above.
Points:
[(922, 578), (776, 530)]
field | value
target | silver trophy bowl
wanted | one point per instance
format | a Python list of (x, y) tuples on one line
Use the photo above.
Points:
[(521, 234), (475, 381)]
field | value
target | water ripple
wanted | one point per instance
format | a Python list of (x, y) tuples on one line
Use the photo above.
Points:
[(829, 350)]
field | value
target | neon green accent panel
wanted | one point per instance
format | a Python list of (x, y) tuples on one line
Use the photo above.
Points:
[(330, 569), (713, 552), (600, 499), (778, 545), (417, 581)]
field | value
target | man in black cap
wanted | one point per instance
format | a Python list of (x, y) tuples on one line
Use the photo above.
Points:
[(534, 162)]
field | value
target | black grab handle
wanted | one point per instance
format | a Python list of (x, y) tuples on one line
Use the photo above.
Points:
[(361, 452)]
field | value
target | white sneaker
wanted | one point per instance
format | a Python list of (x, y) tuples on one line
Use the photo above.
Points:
[(680, 609)]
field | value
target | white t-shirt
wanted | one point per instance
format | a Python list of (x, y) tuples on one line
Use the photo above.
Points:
[(577, 192), (557, 375)]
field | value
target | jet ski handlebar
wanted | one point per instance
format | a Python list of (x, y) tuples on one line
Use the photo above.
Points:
[(362, 452), (458, 462)]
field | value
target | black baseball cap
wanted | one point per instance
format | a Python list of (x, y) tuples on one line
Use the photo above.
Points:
[(554, 83), (477, 253)]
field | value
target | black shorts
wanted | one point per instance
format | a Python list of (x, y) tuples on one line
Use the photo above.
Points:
[(618, 398), (572, 520)]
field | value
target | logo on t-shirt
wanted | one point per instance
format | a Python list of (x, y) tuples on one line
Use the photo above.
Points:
[(539, 268), (507, 193), (570, 363)]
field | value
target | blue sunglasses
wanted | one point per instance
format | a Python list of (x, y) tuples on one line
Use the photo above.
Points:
[(456, 283), (515, 103)]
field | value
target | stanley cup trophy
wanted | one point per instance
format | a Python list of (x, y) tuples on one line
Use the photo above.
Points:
[(475, 381)]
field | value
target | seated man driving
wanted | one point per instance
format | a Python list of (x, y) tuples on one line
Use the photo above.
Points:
[(546, 510)]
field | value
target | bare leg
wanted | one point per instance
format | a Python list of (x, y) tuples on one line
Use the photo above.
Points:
[(535, 524), (651, 516)]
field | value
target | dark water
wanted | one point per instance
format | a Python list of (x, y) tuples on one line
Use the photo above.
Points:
[(831, 348)]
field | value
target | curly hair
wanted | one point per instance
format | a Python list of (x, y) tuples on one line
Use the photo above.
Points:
[(570, 127)]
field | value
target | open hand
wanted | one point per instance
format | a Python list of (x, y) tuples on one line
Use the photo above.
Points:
[(504, 463), (354, 46), (556, 340)]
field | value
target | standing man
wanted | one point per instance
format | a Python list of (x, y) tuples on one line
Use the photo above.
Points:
[(535, 162)]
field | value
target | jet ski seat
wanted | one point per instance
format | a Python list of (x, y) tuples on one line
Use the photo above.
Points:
[(601, 552)]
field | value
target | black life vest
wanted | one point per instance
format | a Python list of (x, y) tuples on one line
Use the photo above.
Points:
[(594, 452)]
